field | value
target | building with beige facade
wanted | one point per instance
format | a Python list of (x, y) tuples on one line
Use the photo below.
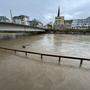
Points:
[(59, 21)]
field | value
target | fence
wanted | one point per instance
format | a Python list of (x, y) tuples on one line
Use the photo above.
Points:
[(41, 54)]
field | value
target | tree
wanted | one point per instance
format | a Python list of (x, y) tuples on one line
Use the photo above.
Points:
[(34, 23)]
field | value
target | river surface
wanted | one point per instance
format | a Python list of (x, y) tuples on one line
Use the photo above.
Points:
[(20, 72), (69, 45)]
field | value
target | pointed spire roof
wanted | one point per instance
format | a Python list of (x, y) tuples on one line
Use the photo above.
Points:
[(58, 15)]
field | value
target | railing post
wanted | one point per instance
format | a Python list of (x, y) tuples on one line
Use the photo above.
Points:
[(15, 51), (81, 62), (59, 60), (26, 53), (41, 56)]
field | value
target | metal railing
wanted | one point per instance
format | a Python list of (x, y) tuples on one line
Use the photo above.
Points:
[(51, 55)]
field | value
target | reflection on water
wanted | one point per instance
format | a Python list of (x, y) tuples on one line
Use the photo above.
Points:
[(6, 36), (70, 45)]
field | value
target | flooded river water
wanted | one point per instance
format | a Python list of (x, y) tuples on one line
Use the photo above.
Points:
[(69, 45), (19, 72)]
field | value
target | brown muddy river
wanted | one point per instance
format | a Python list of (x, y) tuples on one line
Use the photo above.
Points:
[(70, 45), (18, 72)]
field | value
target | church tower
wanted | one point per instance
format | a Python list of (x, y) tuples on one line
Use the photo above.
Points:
[(59, 21), (58, 15)]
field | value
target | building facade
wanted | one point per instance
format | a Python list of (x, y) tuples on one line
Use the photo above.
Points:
[(4, 19), (22, 19), (81, 23), (68, 24), (59, 21)]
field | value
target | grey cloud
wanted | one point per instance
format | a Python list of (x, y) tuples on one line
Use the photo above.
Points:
[(46, 10)]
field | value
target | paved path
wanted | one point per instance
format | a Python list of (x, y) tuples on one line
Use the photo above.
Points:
[(29, 73)]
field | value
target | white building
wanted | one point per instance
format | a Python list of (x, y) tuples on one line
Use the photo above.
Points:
[(17, 20), (22, 19), (68, 24), (81, 23), (4, 19)]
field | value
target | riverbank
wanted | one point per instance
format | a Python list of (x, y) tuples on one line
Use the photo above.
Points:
[(70, 31), (11, 35)]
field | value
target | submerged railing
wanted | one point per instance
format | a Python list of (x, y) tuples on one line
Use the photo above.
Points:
[(41, 54)]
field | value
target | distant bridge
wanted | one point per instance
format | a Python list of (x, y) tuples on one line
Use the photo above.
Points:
[(11, 27)]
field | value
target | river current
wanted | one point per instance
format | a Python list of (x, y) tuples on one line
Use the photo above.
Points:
[(60, 44)]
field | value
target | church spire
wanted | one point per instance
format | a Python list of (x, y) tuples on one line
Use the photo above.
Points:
[(58, 15)]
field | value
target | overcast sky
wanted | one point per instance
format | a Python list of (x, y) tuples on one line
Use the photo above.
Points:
[(46, 10)]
